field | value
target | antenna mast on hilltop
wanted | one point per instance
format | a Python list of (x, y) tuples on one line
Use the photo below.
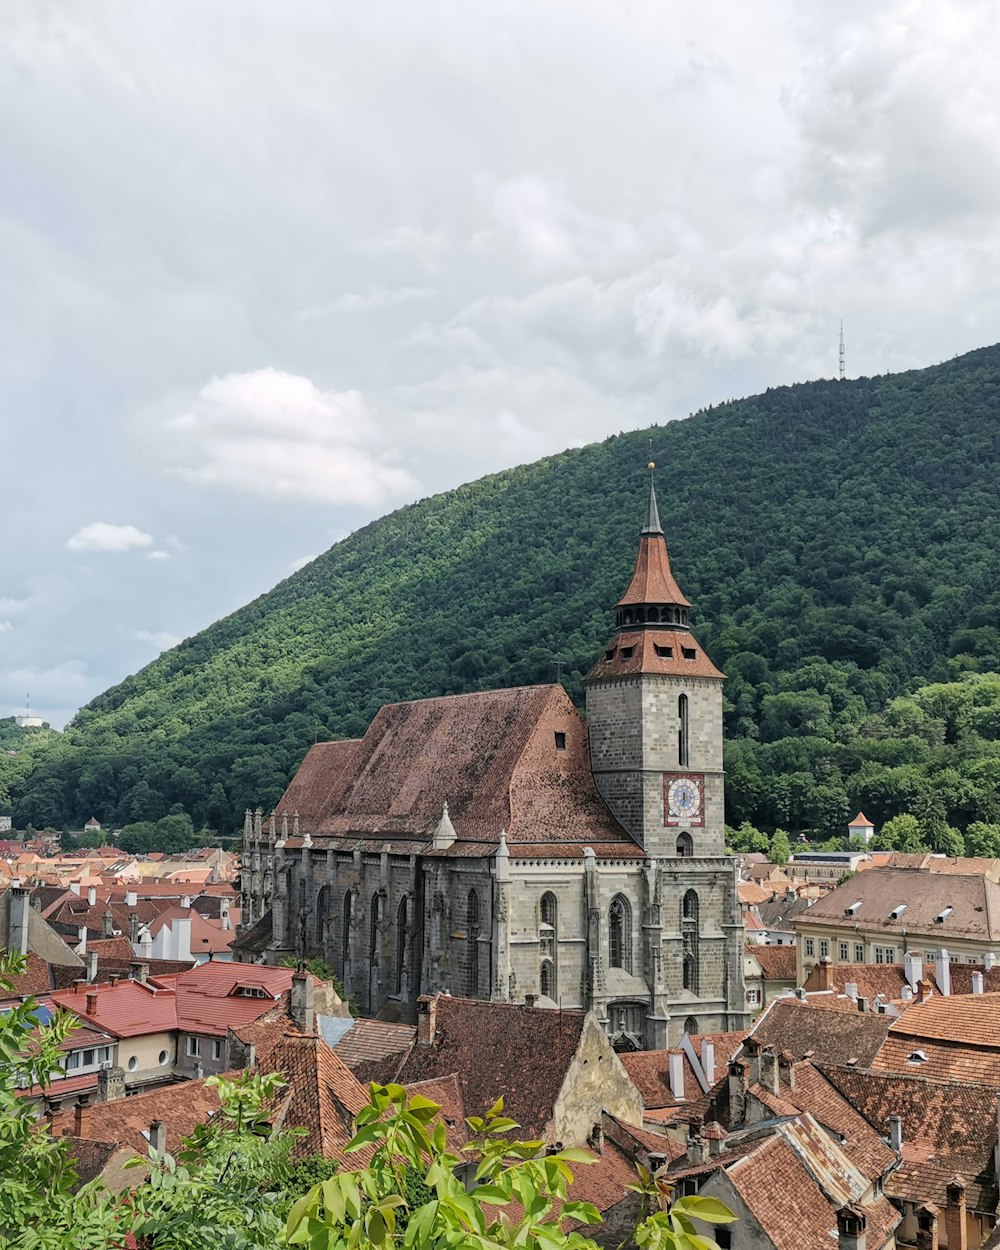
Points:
[(842, 363)]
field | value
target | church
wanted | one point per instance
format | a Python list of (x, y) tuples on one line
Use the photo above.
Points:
[(499, 845)]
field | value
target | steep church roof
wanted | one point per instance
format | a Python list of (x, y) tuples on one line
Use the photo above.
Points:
[(652, 581), (514, 760)]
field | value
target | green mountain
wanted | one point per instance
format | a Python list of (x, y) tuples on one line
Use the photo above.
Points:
[(840, 542)]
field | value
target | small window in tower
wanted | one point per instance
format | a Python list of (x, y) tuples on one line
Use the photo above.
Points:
[(560, 741), (610, 653), (689, 653), (626, 652), (665, 653)]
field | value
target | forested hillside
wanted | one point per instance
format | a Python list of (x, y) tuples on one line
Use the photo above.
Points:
[(839, 542)]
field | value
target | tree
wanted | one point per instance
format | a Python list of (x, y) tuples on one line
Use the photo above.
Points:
[(902, 833), (780, 847), (983, 839), (527, 1183)]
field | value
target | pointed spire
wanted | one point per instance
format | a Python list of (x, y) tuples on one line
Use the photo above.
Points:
[(444, 835), (652, 525)]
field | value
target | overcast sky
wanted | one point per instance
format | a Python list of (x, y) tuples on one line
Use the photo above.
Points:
[(271, 269)]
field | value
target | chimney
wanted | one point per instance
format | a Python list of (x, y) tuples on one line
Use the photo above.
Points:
[(81, 1120), (158, 1136), (906, 994), (927, 1227), (426, 1019), (737, 1090), (110, 1084), (17, 931), (107, 925), (138, 971), (851, 990), (851, 1233), (786, 1068), (823, 973), (74, 888), (92, 967), (895, 1123), (186, 901), (596, 1139), (81, 933), (924, 991), (708, 1061), (133, 928), (715, 1135), (696, 1149), (944, 972), (989, 961), (92, 895), (956, 1226), (977, 983), (913, 968), (131, 898), (675, 1074), (769, 1075), (91, 1007), (227, 923), (300, 1003), (530, 1000), (751, 1052)]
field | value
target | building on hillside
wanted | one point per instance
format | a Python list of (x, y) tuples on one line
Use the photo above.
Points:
[(876, 916), (861, 829), (825, 867), (496, 845), (93, 825)]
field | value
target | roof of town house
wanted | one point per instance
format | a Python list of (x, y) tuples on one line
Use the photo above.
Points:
[(860, 821), (493, 756), (257, 937), (66, 978), (37, 978), (115, 949), (323, 1097), (126, 1121), (650, 1072), (209, 999), (375, 1049), (965, 906), (265, 1034), (750, 893), (486, 1044), (942, 1061), (446, 1091), (969, 1019), (889, 980), (829, 1036), (948, 1128), (127, 1009), (778, 911), (777, 963), (207, 936), (89, 1158)]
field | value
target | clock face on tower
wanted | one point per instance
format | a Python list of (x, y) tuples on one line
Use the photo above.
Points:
[(683, 799)]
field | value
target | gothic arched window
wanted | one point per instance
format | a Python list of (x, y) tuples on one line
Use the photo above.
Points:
[(348, 935), (685, 845), (682, 731), (691, 1026), (547, 979), (620, 933), (402, 923), (375, 923), (322, 909), (689, 936), (547, 915), (472, 938)]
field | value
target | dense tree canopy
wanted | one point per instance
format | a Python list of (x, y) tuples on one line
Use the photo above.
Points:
[(840, 542)]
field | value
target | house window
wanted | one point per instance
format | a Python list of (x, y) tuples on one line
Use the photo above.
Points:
[(560, 742), (620, 933), (824, 948), (133, 1063), (163, 1057), (859, 952), (723, 1238), (216, 1048), (626, 652), (472, 938), (753, 998), (885, 954), (810, 946), (844, 951), (193, 1047), (682, 731)]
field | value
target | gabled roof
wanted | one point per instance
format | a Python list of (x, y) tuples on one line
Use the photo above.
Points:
[(207, 1001), (948, 1128), (128, 1009), (323, 1097), (492, 756), (126, 1121), (523, 1053), (777, 963), (374, 1049), (831, 1036)]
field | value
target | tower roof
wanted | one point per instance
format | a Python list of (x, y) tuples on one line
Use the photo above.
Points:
[(653, 582)]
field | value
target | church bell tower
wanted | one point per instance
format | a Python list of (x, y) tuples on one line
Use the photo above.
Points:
[(654, 709)]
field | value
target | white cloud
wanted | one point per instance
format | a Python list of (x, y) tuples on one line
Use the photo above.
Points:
[(374, 299), (426, 247), (301, 563), (162, 640), (4, 626), (276, 434), (100, 536), (158, 554)]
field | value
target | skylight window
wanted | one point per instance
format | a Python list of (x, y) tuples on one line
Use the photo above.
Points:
[(942, 916), (897, 911), (849, 911)]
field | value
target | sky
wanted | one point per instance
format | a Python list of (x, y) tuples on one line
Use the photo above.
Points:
[(272, 268)]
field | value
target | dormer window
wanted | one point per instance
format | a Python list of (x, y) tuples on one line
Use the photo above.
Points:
[(665, 653), (917, 1056), (897, 911), (610, 653), (249, 991), (942, 916), (627, 652), (849, 911), (689, 653)]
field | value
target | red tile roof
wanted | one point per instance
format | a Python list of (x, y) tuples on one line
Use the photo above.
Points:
[(832, 1036), (128, 1009), (206, 1002), (323, 1098), (374, 1049), (491, 755), (653, 581), (653, 651), (777, 962), (486, 1044), (125, 1120)]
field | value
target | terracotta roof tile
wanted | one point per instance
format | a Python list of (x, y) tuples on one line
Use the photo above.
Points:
[(126, 1121), (486, 1044), (491, 755), (653, 581), (446, 1091), (374, 1049), (942, 1061), (324, 1097), (833, 1036), (675, 653), (777, 962)]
